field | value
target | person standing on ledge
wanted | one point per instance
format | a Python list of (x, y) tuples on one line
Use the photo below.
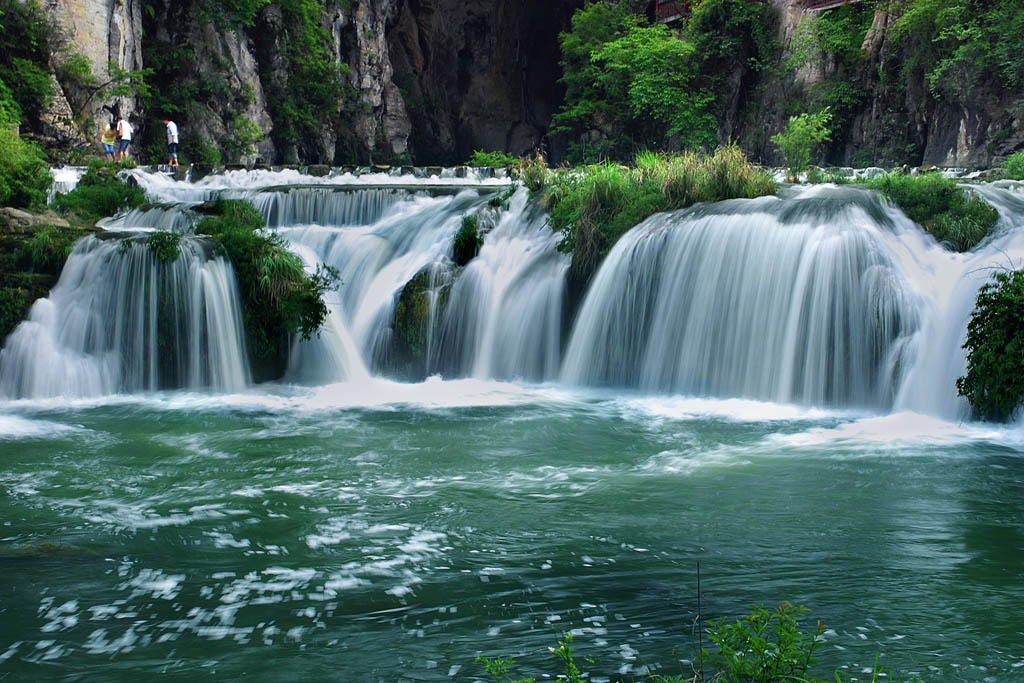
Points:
[(124, 131), (172, 142), (108, 140)]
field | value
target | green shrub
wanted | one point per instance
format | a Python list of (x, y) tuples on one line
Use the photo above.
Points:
[(533, 172), (1015, 165), (994, 383), (594, 206), (278, 296), (467, 241), (949, 213), (765, 646), (100, 193), (24, 173), (245, 136), (496, 159), (802, 135), (26, 45), (47, 250), (165, 244)]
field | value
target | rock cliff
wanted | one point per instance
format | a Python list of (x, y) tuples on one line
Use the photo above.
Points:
[(432, 80)]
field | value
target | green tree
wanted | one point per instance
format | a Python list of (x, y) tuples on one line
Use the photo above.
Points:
[(802, 134), (994, 383), (24, 172), (628, 86), (956, 43), (652, 72)]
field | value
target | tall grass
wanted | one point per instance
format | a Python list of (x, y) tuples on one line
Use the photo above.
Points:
[(955, 217), (593, 206), (278, 296)]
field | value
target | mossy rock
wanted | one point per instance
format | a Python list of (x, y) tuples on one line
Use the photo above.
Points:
[(412, 322)]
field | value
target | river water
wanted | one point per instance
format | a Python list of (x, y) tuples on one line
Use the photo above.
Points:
[(364, 521)]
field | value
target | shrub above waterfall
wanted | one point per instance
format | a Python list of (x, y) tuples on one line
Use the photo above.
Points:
[(279, 297), (994, 383), (954, 217), (594, 206)]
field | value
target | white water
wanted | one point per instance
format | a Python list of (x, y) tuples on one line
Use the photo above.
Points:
[(127, 323), (826, 297)]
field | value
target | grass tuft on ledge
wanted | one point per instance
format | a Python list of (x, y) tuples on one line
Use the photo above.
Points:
[(593, 206)]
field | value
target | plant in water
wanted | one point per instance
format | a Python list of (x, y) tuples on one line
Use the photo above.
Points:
[(533, 172), (165, 244), (956, 218), (279, 297), (499, 669), (994, 383), (764, 646), (100, 193), (798, 141), (594, 206), (496, 159)]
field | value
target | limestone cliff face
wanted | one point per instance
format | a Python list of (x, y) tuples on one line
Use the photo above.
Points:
[(105, 31), (478, 75), (432, 80), (898, 119)]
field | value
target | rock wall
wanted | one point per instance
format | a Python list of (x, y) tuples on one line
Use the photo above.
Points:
[(432, 80), (898, 121), (478, 75), (104, 31)]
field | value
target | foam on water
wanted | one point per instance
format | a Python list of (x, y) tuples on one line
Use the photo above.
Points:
[(13, 427)]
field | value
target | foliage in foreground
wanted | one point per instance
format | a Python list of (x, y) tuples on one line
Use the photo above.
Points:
[(100, 193), (594, 206), (994, 383), (940, 206), (765, 646), (278, 296)]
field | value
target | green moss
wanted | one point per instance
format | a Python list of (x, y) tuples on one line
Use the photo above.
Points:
[(956, 218), (279, 297), (412, 318), (467, 241)]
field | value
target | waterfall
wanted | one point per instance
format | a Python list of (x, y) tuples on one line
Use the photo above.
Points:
[(121, 321), (827, 296), (766, 299)]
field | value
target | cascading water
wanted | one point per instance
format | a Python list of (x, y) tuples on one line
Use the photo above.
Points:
[(121, 321), (302, 523), (791, 301), (827, 297)]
